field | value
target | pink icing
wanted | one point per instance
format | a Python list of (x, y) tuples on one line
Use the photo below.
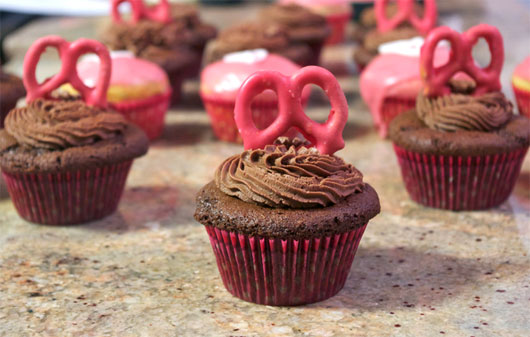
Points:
[(523, 69), (487, 79), (222, 80), (125, 71), (69, 53), (393, 75), (326, 137)]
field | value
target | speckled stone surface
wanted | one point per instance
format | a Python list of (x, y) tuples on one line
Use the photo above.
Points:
[(148, 270)]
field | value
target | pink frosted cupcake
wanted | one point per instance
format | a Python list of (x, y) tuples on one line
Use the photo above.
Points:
[(462, 147), (220, 83), (521, 87), (336, 12), (391, 82), (139, 90), (66, 160), (285, 217)]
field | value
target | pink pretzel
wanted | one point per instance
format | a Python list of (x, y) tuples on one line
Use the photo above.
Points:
[(327, 137), (160, 12), (69, 54), (405, 13), (487, 79)]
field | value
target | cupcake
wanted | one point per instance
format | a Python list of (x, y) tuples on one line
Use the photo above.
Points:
[(285, 219), (257, 35), (336, 12), (303, 26), (391, 82), (138, 89), (521, 87), (220, 83), (175, 41), (388, 31), (66, 160), (366, 20), (11, 90), (462, 147)]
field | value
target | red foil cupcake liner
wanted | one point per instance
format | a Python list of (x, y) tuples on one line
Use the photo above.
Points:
[(460, 183), (222, 117), (523, 101), (338, 23), (393, 106), (148, 114), (67, 198), (284, 272)]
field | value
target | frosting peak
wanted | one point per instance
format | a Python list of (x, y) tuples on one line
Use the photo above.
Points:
[(288, 175), (461, 111), (59, 124)]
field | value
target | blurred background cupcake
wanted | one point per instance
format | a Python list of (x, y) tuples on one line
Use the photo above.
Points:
[(11, 90), (138, 89), (391, 82), (220, 83), (257, 35), (370, 35), (66, 160), (176, 45), (521, 86), (460, 148), (336, 12), (303, 26)]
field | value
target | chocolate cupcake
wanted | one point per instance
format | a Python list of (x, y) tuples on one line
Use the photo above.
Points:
[(175, 43), (257, 35), (462, 149), (371, 35), (285, 219), (303, 26), (11, 90), (65, 160)]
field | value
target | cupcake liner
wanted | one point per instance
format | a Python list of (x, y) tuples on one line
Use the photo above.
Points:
[(222, 117), (68, 198), (337, 22), (284, 272), (148, 114), (392, 106), (316, 48), (460, 182), (176, 88), (523, 101)]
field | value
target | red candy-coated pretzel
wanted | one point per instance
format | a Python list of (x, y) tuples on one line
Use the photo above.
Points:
[(327, 137), (487, 79), (69, 54), (406, 13), (160, 12)]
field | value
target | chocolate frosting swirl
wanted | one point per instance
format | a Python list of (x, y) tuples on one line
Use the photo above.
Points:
[(288, 175), (461, 111), (61, 124), (185, 30), (292, 15)]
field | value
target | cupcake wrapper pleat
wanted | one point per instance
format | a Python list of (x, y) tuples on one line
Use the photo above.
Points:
[(148, 114), (222, 117), (68, 198), (392, 106), (337, 23), (284, 272), (523, 101), (460, 182)]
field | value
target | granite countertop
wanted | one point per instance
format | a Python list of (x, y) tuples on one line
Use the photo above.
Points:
[(148, 270)]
